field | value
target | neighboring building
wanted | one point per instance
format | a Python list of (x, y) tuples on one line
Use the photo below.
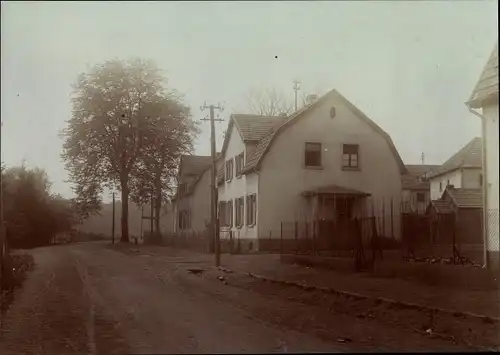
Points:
[(485, 98), (458, 213), (416, 188), (462, 170), (192, 200), (326, 162)]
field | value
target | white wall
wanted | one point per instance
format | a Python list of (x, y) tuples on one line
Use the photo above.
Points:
[(238, 186), (283, 177), (471, 178), (454, 178), (492, 156)]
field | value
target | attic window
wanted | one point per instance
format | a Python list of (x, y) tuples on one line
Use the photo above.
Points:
[(332, 112)]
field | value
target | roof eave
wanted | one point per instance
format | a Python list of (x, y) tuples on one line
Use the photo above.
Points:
[(480, 102)]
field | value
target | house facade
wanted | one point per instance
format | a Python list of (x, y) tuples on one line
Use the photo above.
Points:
[(325, 163), (462, 170), (191, 204), (484, 103), (416, 188)]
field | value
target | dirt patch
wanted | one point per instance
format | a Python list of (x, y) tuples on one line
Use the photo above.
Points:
[(467, 331), (16, 268)]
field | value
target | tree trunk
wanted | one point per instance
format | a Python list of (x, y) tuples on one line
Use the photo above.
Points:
[(157, 203), (124, 186)]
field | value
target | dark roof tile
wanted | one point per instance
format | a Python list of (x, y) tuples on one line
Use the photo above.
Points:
[(466, 198), (487, 84)]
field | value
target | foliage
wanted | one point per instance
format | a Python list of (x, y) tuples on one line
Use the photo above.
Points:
[(121, 113), (171, 136), (32, 215)]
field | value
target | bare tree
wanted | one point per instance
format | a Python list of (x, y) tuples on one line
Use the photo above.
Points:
[(269, 102)]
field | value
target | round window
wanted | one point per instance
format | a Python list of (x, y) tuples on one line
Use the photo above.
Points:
[(332, 112)]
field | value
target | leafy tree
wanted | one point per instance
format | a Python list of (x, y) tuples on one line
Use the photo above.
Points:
[(172, 135), (117, 109), (32, 215)]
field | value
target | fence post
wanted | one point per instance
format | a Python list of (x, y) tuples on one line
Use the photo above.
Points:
[(296, 231), (306, 237), (392, 218), (281, 240), (314, 237)]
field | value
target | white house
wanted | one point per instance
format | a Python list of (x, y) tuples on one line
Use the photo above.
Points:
[(462, 170), (484, 99), (326, 162), (192, 200)]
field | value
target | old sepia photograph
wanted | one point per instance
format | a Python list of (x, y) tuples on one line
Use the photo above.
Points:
[(210, 177)]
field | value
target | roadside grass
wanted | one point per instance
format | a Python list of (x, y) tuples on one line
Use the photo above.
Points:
[(16, 268)]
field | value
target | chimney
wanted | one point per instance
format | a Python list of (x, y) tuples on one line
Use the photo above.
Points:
[(311, 98)]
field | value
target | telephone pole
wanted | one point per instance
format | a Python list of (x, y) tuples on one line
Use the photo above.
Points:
[(113, 226), (296, 88), (214, 226)]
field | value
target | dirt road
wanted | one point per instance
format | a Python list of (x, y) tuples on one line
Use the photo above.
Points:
[(86, 298)]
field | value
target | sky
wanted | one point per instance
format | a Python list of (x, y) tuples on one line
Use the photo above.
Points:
[(410, 66)]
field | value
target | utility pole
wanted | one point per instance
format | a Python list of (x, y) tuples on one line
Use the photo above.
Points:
[(113, 226), (213, 190), (151, 221), (296, 88)]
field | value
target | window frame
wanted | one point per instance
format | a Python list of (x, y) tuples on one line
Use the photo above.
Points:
[(251, 210), (240, 163), (307, 153), (229, 169), (240, 212), (349, 155), (420, 197)]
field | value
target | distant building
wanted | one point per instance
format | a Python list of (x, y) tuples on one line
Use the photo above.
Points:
[(416, 188), (462, 170)]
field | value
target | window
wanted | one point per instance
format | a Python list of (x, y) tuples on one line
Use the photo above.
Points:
[(447, 183), (481, 180), (229, 169), (240, 163), (251, 209), (240, 209), (350, 156), (229, 213), (440, 186), (420, 197), (313, 154)]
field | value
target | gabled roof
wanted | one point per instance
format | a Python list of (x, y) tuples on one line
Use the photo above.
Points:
[(252, 128), (194, 164), (487, 85), (410, 180), (466, 198), (255, 158), (469, 156), (441, 206)]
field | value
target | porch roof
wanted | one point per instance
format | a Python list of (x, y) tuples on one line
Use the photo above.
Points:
[(335, 190)]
